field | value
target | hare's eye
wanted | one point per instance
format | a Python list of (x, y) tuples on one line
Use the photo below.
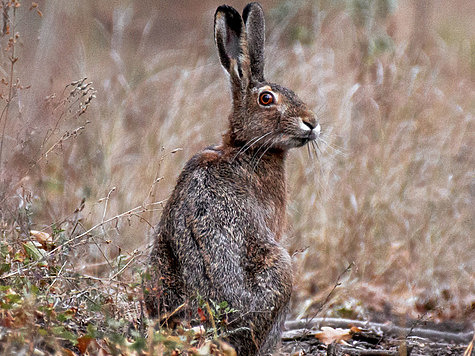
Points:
[(266, 98)]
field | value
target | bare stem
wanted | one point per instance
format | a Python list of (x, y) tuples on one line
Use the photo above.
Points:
[(13, 60)]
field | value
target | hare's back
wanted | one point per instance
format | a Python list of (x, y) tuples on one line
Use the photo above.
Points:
[(212, 192)]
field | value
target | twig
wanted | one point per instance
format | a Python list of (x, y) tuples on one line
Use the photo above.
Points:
[(329, 295), (10, 85), (134, 256), (56, 278), (352, 351), (157, 177), (164, 320), (67, 135), (103, 218), (469, 349), (211, 318)]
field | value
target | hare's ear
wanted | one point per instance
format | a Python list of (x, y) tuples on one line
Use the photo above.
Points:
[(230, 37), (253, 17)]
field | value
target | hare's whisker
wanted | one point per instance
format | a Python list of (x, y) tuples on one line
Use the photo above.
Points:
[(263, 153), (249, 144), (269, 140), (333, 147), (320, 109), (316, 149)]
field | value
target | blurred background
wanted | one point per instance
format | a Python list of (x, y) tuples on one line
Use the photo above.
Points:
[(390, 194)]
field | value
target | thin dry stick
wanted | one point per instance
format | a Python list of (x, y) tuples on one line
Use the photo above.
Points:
[(13, 60), (157, 178), (337, 284), (469, 349), (103, 229), (134, 256), (63, 138), (168, 316), (104, 215), (129, 212), (211, 318), (56, 278), (77, 85)]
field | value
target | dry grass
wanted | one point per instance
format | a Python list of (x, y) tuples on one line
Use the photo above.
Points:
[(392, 190)]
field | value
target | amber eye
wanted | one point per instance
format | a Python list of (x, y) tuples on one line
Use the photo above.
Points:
[(266, 98)]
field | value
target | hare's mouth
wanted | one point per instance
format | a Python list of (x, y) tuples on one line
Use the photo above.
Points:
[(308, 134), (297, 136), (301, 141)]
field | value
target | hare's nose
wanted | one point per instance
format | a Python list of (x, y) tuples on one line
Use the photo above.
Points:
[(311, 126), (306, 124)]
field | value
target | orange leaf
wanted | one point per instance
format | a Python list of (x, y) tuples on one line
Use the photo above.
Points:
[(202, 315), (329, 335), (45, 239), (87, 344), (83, 343), (6, 319), (67, 352)]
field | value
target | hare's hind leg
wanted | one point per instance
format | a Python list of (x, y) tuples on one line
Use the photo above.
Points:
[(274, 335), (271, 299), (164, 292)]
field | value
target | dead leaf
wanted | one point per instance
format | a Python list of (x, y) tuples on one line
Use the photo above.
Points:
[(45, 239), (6, 319), (67, 352), (83, 343), (227, 349), (202, 315), (96, 348), (35, 252), (328, 335), (199, 332)]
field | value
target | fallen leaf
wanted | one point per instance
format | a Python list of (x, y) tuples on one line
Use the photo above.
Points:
[(45, 239), (329, 335), (35, 253), (202, 315), (227, 349), (6, 319), (67, 352), (83, 343)]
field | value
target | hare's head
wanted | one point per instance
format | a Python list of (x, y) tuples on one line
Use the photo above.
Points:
[(264, 114)]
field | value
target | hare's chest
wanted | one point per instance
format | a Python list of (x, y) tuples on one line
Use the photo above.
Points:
[(269, 210)]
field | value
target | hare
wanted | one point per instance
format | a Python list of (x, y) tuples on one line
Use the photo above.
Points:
[(218, 237)]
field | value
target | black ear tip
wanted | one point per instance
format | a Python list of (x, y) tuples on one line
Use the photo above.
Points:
[(233, 19), (228, 11), (252, 6), (224, 8)]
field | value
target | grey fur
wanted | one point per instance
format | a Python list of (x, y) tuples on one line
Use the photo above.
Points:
[(220, 230)]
